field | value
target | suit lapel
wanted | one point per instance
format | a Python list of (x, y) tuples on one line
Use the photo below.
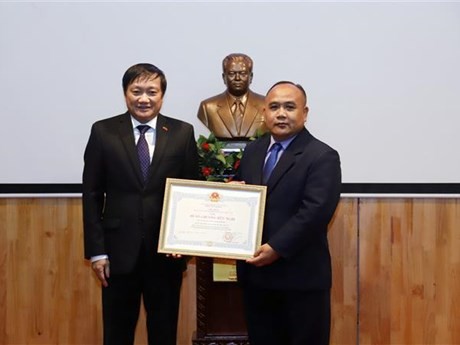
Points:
[(161, 142), (288, 159), (257, 161), (127, 137), (223, 109), (251, 114)]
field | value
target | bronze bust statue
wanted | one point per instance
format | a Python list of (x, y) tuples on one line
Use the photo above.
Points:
[(237, 113)]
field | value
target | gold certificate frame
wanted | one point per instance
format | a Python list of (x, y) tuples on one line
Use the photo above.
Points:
[(213, 219)]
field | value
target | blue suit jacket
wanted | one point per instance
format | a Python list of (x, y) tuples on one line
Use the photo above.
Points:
[(302, 195)]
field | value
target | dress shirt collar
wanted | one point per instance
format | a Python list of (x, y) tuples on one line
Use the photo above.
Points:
[(284, 143), (152, 123), (232, 99)]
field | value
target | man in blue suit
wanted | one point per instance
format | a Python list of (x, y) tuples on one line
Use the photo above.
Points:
[(127, 160), (286, 285)]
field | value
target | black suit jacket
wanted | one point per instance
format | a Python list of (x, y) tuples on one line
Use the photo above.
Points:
[(119, 211), (302, 194)]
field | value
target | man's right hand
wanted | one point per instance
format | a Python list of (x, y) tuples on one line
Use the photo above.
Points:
[(102, 270)]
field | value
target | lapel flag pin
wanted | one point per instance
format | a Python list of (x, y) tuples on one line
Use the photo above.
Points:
[(165, 128)]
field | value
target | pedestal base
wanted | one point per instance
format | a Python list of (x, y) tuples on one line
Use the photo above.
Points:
[(220, 340), (220, 315)]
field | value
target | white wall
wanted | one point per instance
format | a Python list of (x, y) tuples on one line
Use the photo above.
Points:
[(383, 79)]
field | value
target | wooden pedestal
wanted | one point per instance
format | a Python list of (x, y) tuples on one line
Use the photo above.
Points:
[(220, 318)]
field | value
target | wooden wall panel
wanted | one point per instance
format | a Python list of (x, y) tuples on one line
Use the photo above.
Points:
[(409, 271), (343, 240), (51, 295), (407, 252), (3, 271), (48, 293)]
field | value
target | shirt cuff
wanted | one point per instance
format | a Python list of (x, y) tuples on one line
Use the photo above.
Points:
[(99, 257)]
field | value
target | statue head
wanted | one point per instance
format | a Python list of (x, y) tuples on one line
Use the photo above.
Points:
[(237, 73)]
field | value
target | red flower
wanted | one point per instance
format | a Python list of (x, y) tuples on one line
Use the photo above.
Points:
[(237, 164), (206, 171), (205, 146)]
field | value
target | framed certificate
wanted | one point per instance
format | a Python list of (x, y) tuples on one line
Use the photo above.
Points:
[(214, 219)]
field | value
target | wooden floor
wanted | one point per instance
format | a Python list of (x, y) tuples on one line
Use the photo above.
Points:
[(396, 265)]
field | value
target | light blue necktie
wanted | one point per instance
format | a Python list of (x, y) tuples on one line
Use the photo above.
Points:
[(271, 161), (143, 151)]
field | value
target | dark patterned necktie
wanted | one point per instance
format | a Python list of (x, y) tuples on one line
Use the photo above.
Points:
[(271, 161), (143, 150)]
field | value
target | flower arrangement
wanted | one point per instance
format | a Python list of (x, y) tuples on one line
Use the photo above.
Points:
[(215, 164)]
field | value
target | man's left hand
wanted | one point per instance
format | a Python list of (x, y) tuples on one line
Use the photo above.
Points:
[(265, 255)]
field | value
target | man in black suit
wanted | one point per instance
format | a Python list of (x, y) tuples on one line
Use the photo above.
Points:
[(122, 206), (286, 285)]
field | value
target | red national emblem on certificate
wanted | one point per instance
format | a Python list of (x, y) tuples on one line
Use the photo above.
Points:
[(214, 196)]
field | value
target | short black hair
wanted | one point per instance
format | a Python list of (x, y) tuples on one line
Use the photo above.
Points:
[(143, 70)]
